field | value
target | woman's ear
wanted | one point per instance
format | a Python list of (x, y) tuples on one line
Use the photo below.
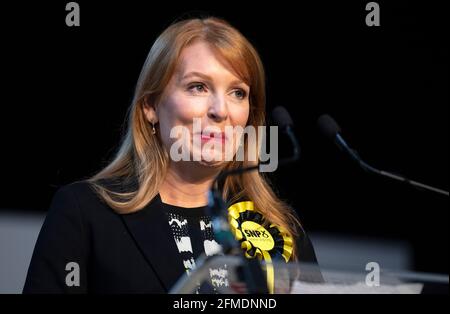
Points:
[(150, 111)]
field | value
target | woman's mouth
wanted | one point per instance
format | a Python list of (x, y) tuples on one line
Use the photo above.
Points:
[(213, 136)]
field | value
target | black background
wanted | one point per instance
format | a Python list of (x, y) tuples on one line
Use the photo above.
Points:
[(65, 92)]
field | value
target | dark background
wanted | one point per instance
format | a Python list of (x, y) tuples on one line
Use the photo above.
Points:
[(65, 92)]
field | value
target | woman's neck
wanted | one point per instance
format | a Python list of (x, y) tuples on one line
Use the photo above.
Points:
[(187, 184)]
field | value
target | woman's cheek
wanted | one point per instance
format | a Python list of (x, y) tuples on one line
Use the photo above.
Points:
[(186, 108), (239, 115), (179, 111)]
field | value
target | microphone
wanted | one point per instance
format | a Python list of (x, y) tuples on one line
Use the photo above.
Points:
[(329, 127), (284, 121)]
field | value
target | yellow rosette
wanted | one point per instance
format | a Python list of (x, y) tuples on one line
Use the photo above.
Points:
[(266, 244)]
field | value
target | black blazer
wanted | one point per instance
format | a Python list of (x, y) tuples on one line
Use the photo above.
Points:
[(116, 253)]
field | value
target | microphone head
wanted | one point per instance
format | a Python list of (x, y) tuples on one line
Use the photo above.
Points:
[(281, 117), (328, 126)]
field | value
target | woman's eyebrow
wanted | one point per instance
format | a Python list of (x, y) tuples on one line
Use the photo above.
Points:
[(208, 78), (238, 82), (197, 74)]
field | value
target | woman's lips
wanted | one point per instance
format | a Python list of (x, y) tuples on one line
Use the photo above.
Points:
[(220, 137)]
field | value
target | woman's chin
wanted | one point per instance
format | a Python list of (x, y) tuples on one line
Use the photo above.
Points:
[(209, 158), (212, 163), (212, 159)]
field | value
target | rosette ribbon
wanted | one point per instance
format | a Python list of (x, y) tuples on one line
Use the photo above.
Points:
[(257, 241)]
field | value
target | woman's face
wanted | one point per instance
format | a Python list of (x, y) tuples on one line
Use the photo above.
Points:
[(204, 98)]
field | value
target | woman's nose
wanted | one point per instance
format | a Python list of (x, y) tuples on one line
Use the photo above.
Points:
[(218, 110)]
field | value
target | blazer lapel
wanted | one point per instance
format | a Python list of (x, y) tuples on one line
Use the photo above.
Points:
[(151, 232)]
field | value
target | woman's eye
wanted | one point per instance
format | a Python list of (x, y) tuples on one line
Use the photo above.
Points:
[(197, 87), (239, 93)]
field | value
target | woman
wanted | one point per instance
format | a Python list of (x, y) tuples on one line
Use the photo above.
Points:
[(141, 222)]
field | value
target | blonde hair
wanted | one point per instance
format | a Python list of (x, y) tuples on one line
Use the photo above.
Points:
[(142, 158)]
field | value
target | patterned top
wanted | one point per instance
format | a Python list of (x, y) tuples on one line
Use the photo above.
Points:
[(193, 235)]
